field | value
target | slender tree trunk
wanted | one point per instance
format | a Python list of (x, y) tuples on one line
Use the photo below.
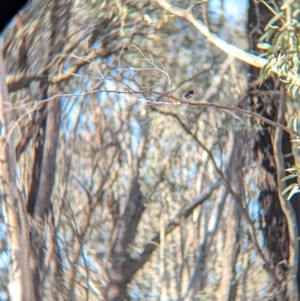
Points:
[(122, 265), (39, 204), (20, 282), (120, 271), (228, 285), (199, 276), (233, 230), (235, 176)]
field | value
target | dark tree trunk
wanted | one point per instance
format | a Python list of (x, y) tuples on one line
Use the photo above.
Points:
[(39, 200), (264, 100), (122, 265)]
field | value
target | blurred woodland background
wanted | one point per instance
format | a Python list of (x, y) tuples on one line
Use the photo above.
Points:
[(112, 188)]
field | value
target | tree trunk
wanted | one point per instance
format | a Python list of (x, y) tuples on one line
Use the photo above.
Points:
[(265, 100), (20, 282), (39, 203), (235, 177), (228, 283), (120, 271)]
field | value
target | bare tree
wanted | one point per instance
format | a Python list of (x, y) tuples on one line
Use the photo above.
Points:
[(130, 189)]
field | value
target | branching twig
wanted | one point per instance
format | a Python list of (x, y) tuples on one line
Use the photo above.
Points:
[(229, 49), (234, 195), (226, 109)]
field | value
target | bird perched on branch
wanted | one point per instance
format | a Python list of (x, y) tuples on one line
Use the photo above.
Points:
[(188, 94)]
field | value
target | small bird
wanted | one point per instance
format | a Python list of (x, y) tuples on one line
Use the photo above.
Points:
[(188, 94)]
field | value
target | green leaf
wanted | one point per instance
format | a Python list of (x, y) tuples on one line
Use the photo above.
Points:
[(284, 43), (296, 12), (295, 91), (285, 80), (264, 46), (289, 188), (295, 190), (273, 20), (291, 121), (286, 4), (295, 124), (264, 73), (277, 40), (292, 169), (292, 176), (267, 35)]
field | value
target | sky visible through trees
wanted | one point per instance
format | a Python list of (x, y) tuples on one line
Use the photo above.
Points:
[(124, 190)]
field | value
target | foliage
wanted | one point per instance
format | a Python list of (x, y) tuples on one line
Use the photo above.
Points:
[(294, 171), (281, 44), (147, 193)]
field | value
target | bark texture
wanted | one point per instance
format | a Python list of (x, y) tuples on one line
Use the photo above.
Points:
[(122, 265), (20, 283), (265, 100), (39, 202)]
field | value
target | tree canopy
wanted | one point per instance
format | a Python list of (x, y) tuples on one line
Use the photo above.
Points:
[(115, 185)]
